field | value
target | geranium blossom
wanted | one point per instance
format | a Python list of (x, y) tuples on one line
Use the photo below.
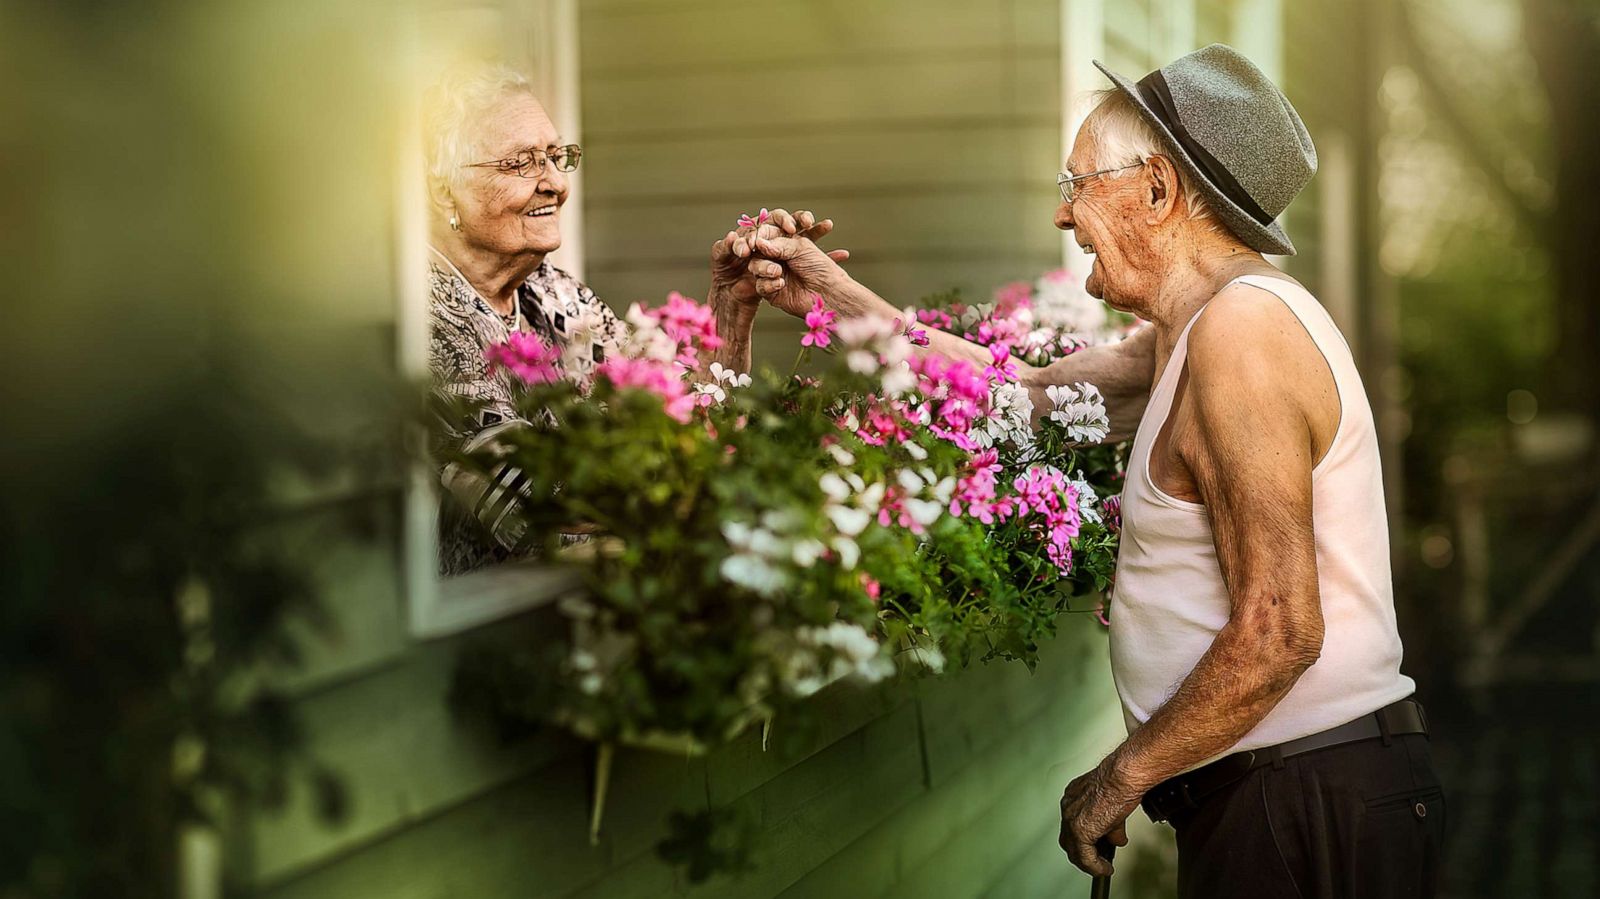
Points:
[(819, 324), (528, 356), (654, 377), (762, 217), (1081, 410), (1050, 505)]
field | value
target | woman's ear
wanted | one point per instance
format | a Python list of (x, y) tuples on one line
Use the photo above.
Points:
[(441, 197)]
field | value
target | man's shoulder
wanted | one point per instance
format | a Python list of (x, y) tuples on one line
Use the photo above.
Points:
[(1249, 346), (1245, 326)]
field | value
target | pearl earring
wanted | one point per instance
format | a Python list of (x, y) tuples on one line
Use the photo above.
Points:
[(455, 222)]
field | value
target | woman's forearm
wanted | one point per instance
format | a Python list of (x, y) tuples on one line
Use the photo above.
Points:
[(1122, 371), (735, 325)]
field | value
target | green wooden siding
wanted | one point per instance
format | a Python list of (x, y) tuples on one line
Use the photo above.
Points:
[(929, 131), (943, 787)]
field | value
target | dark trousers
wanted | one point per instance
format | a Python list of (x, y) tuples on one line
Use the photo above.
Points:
[(1360, 820)]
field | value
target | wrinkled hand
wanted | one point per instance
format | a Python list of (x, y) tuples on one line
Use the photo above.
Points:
[(1095, 805), (791, 268), (734, 269)]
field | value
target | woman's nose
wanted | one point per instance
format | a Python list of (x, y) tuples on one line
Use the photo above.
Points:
[(554, 179)]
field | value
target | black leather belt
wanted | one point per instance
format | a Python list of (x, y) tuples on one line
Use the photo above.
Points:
[(1187, 791)]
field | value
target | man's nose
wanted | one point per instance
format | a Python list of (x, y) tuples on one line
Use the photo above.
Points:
[(1064, 216)]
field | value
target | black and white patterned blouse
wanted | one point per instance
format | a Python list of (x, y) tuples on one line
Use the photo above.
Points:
[(552, 304)]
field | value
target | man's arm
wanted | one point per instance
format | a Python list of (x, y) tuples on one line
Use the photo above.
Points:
[(1253, 470), (1123, 371), (1252, 465)]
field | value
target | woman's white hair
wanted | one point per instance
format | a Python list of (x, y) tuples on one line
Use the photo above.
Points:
[(451, 110), (1123, 137)]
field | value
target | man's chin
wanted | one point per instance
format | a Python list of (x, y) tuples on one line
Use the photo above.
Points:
[(1092, 285)]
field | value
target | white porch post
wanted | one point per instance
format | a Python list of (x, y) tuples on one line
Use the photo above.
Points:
[(1082, 41)]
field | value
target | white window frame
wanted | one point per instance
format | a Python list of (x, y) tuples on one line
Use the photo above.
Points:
[(539, 37)]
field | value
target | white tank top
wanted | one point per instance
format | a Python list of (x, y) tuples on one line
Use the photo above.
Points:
[(1169, 601)]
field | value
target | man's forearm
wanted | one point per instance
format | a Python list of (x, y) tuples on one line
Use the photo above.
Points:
[(855, 299), (1249, 668)]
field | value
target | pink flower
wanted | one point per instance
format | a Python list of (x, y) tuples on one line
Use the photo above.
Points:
[(1002, 369), (1113, 516), (975, 489), (527, 356), (872, 587), (819, 324), (914, 335), (1050, 504), (936, 318), (691, 325), (658, 378), (957, 396), (745, 221), (1011, 298)]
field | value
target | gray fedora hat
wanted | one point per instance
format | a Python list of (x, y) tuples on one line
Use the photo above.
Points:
[(1234, 133)]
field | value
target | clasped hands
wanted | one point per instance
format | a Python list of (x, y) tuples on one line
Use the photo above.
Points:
[(778, 260)]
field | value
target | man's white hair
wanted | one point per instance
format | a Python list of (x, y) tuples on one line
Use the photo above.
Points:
[(1123, 137), (452, 109)]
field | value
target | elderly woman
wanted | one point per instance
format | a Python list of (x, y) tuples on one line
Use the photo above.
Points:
[(1253, 636), (497, 172)]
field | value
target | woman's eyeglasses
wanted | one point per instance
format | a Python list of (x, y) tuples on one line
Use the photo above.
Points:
[(1069, 184), (530, 163)]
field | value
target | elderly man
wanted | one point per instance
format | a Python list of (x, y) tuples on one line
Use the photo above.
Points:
[(1253, 637)]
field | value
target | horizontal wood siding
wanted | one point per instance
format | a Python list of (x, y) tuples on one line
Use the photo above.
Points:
[(929, 130), (930, 789)]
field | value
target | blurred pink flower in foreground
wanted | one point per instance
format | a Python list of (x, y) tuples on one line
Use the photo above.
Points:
[(663, 380), (527, 356)]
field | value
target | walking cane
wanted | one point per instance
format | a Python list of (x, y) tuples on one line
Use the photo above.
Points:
[(1100, 887)]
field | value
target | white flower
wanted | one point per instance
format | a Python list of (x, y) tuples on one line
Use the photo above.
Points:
[(710, 389), (834, 487), (915, 451), (737, 533), (924, 511), (728, 376), (898, 378), (1010, 417), (855, 652), (861, 362), (754, 572), (850, 521), (860, 331), (871, 497), (927, 653), (849, 552), (1081, 410), (806, 552), (910, 481), (841, 455), (1060, 302), (1087, 499)]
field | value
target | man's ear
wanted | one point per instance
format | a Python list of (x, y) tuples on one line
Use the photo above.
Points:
[(1164, 188)]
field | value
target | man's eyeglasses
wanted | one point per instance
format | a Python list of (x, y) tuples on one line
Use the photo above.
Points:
[(1069, 183), (530, 163)]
